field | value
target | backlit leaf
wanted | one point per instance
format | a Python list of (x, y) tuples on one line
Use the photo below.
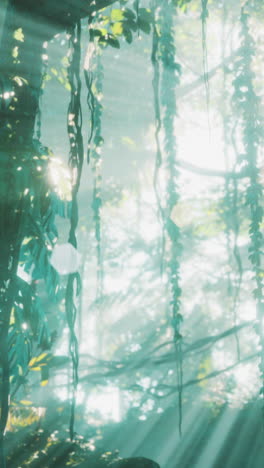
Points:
[(117, 29), (117, 15), (18, 35)]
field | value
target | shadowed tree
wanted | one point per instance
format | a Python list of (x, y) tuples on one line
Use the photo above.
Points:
[(28, 25)]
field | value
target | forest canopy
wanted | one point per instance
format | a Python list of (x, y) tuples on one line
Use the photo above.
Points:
[(131, 228)]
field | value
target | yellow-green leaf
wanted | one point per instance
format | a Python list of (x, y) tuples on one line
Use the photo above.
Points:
[(128, 141), (43, 383), (15, 52), (205, 368), (37, 360), (26, 240), (117, 15), (117, 29), (12, 317), (20, 80), (18, 35)]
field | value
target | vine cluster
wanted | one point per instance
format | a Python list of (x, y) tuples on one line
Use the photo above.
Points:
[(166, 79), (246, 104)]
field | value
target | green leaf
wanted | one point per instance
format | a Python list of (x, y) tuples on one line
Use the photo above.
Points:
[(129, 14), (144, 26), (131, 25), (128, 35), (113, 42), (117, 15), (95, 33), (117, 29), (44, 375), (146, 15)]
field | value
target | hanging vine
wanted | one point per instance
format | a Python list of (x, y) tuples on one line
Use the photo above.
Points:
[(230, 200), (204, 16), (75, 162), (246, 104), (96, 160), (155, 60), (232, 223), (170, 77), (94, 74)]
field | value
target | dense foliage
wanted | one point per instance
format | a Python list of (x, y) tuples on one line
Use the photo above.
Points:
[(165, 301)]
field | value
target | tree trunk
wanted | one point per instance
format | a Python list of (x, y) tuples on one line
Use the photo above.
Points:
[(20, 79), (27, 25)]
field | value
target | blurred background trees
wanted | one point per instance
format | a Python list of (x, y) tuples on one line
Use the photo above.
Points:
[(164, 291)]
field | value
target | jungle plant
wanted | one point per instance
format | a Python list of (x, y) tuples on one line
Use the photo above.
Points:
[(29, 204)]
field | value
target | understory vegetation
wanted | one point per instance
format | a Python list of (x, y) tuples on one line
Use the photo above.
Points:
[(131, 229)]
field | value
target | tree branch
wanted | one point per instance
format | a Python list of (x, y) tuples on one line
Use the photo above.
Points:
[(189, 88), (59, 15), (116, 368), (175, 388), (210, 172)]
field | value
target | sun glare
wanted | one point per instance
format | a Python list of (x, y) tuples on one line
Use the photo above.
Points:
[(60, 178)]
